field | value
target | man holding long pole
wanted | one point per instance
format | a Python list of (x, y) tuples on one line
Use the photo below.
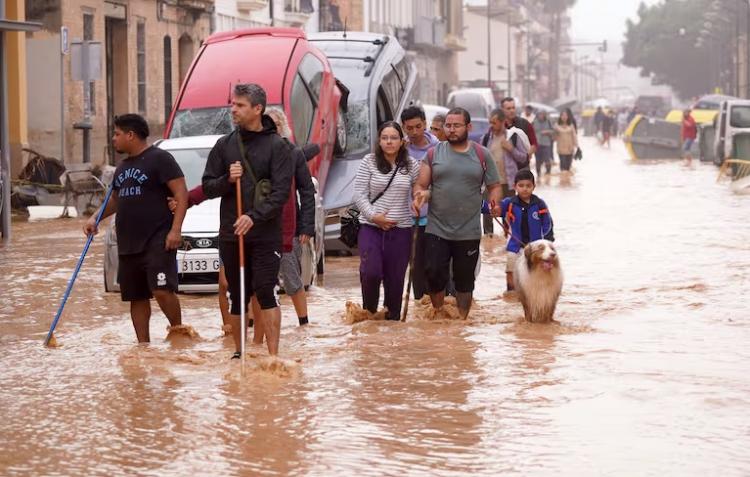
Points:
[(256, 156), (148, 233)]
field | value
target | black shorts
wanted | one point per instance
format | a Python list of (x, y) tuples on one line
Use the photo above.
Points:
[(438, 255), (141, 273), (262, 262)]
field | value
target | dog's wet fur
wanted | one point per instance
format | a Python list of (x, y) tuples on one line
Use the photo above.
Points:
[(538, 280)]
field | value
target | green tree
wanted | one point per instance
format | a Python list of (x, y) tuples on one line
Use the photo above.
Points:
[(663, 45)]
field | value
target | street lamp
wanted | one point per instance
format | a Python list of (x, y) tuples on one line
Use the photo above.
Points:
[(490, 15)]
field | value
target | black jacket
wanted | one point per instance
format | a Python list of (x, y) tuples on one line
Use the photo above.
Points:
[(270, 157), (306, 189)]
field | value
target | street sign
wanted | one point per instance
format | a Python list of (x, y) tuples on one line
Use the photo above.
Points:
[(64, 41), (86, 60)]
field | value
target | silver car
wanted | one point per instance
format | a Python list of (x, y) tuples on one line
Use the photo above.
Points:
[(198, 258)]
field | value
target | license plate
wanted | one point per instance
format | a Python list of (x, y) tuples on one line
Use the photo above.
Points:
[(198, 265)]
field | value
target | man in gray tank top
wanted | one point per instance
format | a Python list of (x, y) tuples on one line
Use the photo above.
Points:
[(450, 181)]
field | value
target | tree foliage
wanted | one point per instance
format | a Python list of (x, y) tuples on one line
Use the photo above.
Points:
[(663, 45)]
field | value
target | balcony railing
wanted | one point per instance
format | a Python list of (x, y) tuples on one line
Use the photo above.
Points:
[(297, 11), (250, 5)]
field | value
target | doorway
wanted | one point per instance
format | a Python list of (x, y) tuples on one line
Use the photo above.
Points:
[(116, 36)]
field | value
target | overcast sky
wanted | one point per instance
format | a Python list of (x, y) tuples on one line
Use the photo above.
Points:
[(596, 20)]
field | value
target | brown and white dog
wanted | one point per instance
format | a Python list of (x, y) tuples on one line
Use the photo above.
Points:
[(538, 279)]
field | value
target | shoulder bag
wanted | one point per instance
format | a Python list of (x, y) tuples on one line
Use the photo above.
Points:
[(350, 219), (263, 186)]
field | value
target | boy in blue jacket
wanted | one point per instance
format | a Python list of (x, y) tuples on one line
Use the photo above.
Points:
[(527, 218)]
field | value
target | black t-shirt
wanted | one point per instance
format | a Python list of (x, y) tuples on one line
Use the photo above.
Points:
[(140, 183)]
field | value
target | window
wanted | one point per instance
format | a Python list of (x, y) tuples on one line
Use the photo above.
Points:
[(88, 35), (311, 70), (382, 108), (740, 117), (393, 89), (193, 163), (167, 77), (402, 68), (140, 45), (303, 111)]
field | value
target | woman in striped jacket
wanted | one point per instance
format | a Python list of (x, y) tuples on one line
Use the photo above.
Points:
[(382, 193)]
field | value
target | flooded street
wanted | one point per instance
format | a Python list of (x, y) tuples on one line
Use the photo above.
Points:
[(646, 374)]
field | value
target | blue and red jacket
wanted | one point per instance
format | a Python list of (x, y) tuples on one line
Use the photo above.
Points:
[(528, 222)]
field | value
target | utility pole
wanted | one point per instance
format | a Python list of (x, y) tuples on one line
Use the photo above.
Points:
[(489, 48), (508, 17)]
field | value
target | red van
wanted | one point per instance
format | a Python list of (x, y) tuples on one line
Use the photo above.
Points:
[(296, 76)]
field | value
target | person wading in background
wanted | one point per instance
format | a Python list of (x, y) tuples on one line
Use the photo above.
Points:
[(507, 153), (546, 133), (688, 133), (567, 140), (436, 128), (419, 142), (508, 106)]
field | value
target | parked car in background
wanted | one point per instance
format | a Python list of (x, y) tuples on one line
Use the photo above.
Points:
[(431, 110), (654, 106), (732, 136), (198, 258), (297, 78), (380, 79), (479, 102), (552, 113)]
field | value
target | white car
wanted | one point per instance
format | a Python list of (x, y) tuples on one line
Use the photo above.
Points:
[(198, 258), (432, 110)]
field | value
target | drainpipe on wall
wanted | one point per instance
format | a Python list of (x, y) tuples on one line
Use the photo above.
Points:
[(366, 17)]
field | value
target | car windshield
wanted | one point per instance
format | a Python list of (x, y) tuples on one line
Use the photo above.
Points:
[(351, 74), (193, 163), (347, 59), (203, 122), (740, 117), (706, 105)]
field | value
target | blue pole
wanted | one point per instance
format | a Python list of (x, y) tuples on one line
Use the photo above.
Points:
[(78, 268)]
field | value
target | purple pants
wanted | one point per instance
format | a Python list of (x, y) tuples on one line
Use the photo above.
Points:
[(383, 257)]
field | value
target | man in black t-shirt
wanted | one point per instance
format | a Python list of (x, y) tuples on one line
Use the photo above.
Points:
[(148, 233)]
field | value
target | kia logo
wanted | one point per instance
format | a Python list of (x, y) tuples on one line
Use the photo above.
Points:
[(203, 243)]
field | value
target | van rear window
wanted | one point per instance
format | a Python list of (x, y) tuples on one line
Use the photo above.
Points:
[(740, 117)]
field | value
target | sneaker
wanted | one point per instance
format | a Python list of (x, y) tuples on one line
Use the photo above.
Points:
[(236, 355), (302, 320)]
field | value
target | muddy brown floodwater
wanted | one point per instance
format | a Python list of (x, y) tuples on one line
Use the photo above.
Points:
[(648, 372)]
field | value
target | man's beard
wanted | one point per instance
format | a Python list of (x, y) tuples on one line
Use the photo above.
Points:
[(460, 139)]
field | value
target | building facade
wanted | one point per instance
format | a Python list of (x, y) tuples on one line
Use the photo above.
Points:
[(146, 48), (512, 46), (431, 31)]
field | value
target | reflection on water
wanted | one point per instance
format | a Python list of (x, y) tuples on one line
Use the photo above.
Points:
[(645, 373)]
